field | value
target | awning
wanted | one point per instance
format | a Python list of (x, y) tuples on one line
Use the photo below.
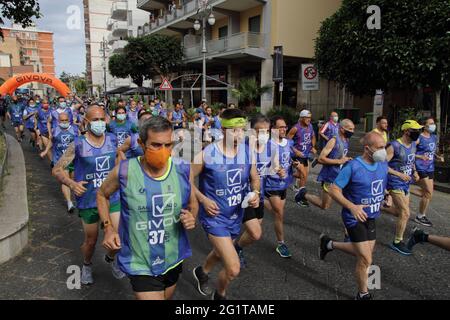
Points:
[(119, 90), (140, 90)]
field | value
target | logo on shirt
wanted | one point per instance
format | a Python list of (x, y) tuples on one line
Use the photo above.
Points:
[(166, 208), (285, 157), (234, 177), (432, 146), (102, 163), (121, 136), (377, 187), (66, 138), (262, 168), (307, 138), (158, 261), (411, 158)]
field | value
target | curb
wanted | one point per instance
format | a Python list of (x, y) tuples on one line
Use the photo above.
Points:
[(5, 157), (13, 203)]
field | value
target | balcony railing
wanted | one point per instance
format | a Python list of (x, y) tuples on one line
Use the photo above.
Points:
[(119, 27), (238, 41), (188, 9), (119, 9), (118, 46)]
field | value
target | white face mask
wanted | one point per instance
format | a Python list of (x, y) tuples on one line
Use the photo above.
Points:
[(121, 116), (336, 119), (432, 128), (379, 155), (263, 138)]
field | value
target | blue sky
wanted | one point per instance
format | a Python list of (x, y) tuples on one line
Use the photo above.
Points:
[(69, 45)]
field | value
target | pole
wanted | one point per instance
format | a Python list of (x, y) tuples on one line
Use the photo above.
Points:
[(104, 63), (204, 58)]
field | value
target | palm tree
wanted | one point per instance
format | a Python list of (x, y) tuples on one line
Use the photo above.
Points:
[(250, 91)]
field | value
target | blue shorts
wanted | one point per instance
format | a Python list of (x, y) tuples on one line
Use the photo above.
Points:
[(222, 231)]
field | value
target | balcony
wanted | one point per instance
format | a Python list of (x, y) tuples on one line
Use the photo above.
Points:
[(119, 10), (112, 38), (120, 29), (149, 5), (117, 46), (235, 46), (109, 23)]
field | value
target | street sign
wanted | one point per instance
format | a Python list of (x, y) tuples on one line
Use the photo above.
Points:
[(281, 86), (278, 64), (165, 85), (310, 77)]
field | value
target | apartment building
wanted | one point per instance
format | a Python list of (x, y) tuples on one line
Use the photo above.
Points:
[(112, 22), (30, 50), (241, 43)]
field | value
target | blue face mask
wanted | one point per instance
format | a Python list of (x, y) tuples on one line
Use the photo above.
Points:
[(97, 127)]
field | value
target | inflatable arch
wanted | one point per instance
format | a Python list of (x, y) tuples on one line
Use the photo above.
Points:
[(18, 80)]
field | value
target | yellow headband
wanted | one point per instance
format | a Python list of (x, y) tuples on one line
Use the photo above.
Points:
[(233, 123)]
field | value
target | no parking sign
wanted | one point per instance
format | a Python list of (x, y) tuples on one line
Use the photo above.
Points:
[(310, 77)]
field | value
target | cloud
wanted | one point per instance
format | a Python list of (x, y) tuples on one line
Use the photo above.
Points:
[(69, 44)]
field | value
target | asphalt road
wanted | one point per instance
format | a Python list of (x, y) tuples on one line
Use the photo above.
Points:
[(55, 237)]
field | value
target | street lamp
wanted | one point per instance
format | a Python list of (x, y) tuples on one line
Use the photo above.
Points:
[(103, 50), (205, 13)]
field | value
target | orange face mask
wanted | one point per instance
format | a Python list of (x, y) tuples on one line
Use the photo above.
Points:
[(157, 158)]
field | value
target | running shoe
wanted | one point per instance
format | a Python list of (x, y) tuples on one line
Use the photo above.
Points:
[(323, 247), (202, 281), (417, 236), (115, 270), (240, 253), (216, 296), (401, 248), (70, 207), (300, 197), (423, 221), (86, 275), (283, 251), (366, 296)]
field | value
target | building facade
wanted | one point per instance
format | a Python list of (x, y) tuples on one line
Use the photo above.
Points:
[(241, 44), (30, 50), (109, 22)]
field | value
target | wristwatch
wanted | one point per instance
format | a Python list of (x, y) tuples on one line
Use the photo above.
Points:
[(105, 224)]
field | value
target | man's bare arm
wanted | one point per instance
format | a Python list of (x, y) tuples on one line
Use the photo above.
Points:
[(60, 167), (109, 186)]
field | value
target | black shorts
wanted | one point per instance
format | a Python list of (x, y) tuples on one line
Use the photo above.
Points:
[(2, 112), (252, 213), (31, 130), (158, 283), (363, 231), (303, 161), (278, 193), (45, 135), (423, 175)]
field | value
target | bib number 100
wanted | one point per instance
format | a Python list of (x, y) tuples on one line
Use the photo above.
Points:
[(235, 200)]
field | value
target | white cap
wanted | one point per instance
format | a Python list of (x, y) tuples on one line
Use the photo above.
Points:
[(305, 114)]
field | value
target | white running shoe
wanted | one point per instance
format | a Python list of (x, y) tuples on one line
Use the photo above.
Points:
[(116, 272), (86, 275)]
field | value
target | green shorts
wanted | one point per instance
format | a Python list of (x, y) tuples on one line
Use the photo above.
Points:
[(90, 216), (70, 168)]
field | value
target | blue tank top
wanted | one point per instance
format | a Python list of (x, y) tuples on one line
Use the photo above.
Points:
[(224, 180), (61, 140), (402, 161), (121, 130), (332, 130), (132, 116), (285, 155), (178, 117), (55, 116), (93, 165), (365, 187), (303, 139), (426, 147), (29, 123), (135, 148), (263, 165), (42, 118), (330, 172), (16, 112)]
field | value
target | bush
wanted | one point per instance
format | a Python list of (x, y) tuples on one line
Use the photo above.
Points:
[(289, 114)]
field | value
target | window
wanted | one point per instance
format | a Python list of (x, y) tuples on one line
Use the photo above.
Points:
[(223, 32), (130, 18), (254, 24)]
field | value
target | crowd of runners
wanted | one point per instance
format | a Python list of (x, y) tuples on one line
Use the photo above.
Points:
[(132, 173)]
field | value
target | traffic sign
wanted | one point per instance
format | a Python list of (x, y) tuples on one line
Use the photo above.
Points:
[(310, 77), (165, 85)]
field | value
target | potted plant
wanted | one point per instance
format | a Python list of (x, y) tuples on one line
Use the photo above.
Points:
[(249, 92)]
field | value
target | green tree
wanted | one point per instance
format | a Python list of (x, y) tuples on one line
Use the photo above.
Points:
[(65, 77), (19, 11), (411, 49), (249, 91), (80, 85), (146, 57)]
